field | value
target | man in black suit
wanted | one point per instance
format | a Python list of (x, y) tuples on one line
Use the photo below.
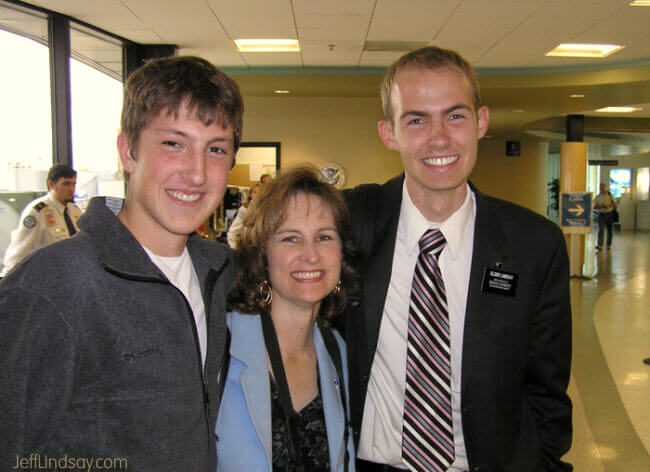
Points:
[(505, 272)]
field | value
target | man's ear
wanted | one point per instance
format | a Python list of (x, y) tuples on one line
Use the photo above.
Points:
[(126, 157), (50, 184), (483, 115), (387, 135)]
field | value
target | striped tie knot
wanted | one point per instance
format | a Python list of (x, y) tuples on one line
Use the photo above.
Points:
[(432, 242)]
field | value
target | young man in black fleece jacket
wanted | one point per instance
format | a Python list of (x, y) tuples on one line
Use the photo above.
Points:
[(111, 342)]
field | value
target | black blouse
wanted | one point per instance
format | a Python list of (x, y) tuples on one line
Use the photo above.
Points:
[(313, 437)]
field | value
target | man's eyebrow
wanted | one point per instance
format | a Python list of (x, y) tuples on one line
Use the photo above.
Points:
[(173, 131), (183, 134), (412, 113), (221, 139), (458, 106)]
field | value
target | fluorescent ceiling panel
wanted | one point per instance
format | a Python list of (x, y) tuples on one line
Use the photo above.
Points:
[(618, 109), (267, 45), (584, 50)]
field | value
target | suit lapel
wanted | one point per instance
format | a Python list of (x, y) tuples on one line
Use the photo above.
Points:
[(333, 410), (489, 245), (380, 262), (248, 348)]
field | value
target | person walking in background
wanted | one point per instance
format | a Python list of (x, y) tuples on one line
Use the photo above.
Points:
[(605, 204), (265, 179), (235, 230), (46, 220), (460, 350), (285, 406)]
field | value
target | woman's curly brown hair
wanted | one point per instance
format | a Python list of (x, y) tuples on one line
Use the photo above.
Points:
[(263, 221)]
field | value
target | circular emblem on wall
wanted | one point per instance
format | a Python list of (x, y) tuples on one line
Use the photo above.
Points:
[(333, 174), (29, 221)]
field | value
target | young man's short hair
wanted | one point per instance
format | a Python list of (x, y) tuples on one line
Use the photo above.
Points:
[(166, 84), (60, 171), (432, 58)]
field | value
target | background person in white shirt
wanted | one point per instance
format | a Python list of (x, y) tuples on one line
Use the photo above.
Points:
[(43, 222), (605, 203), (235, 230), (506, 274)]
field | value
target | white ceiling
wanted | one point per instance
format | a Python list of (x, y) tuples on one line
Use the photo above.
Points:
[(489, 33), (501, 38)]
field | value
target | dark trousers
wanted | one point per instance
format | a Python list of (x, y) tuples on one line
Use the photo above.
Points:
[(605, 220)]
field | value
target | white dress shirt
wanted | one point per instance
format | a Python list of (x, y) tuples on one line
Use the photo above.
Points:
[(381, 427)]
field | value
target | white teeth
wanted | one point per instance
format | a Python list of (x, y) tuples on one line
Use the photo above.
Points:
[(441, 161), (307, 275), (184, 197)]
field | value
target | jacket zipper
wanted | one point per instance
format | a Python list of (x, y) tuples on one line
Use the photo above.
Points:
[(209, 290)]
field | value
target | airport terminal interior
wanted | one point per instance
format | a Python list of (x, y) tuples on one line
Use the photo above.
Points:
[(567, 83)]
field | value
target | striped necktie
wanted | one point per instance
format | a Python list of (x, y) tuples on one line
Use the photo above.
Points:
[(428, 439)]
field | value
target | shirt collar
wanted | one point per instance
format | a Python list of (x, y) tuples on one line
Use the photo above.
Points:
[(413, 224), (55, 203)]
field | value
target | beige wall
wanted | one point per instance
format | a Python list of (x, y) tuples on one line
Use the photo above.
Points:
[(240, 175), (519, 179), (318, 130), (344, 130)]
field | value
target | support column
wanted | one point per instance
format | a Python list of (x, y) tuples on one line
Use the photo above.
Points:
[(137, 54), (573, 178), (59, 42)]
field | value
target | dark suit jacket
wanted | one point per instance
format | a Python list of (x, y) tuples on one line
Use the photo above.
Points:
[(516, 350)]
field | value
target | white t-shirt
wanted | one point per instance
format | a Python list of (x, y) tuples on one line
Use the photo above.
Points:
[(180, 272)]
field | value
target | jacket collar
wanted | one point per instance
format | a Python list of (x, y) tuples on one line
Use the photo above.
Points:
[(248, 348), (56, 204), (119, 251)]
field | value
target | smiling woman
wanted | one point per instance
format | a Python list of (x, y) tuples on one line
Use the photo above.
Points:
[(296, 268), (262, 225)]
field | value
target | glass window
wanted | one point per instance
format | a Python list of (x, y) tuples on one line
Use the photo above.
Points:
[(96, 96), (26, 121), (643, 183), (620, 181)]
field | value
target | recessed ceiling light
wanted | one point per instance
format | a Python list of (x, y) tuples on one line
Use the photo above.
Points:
[(584, 50), (577, 95), (618, 109), (282, 91), (640, 3), (267, 45)]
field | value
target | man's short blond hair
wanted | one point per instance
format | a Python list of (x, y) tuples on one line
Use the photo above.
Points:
[(432, 58)]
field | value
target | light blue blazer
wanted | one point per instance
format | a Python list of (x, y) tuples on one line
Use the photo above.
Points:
[(244, 422)]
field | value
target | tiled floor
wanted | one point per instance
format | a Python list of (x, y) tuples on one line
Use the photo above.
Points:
[(610, 384)]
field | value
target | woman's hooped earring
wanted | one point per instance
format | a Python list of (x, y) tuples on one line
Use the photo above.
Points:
[(265, 292), (337, 288)]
